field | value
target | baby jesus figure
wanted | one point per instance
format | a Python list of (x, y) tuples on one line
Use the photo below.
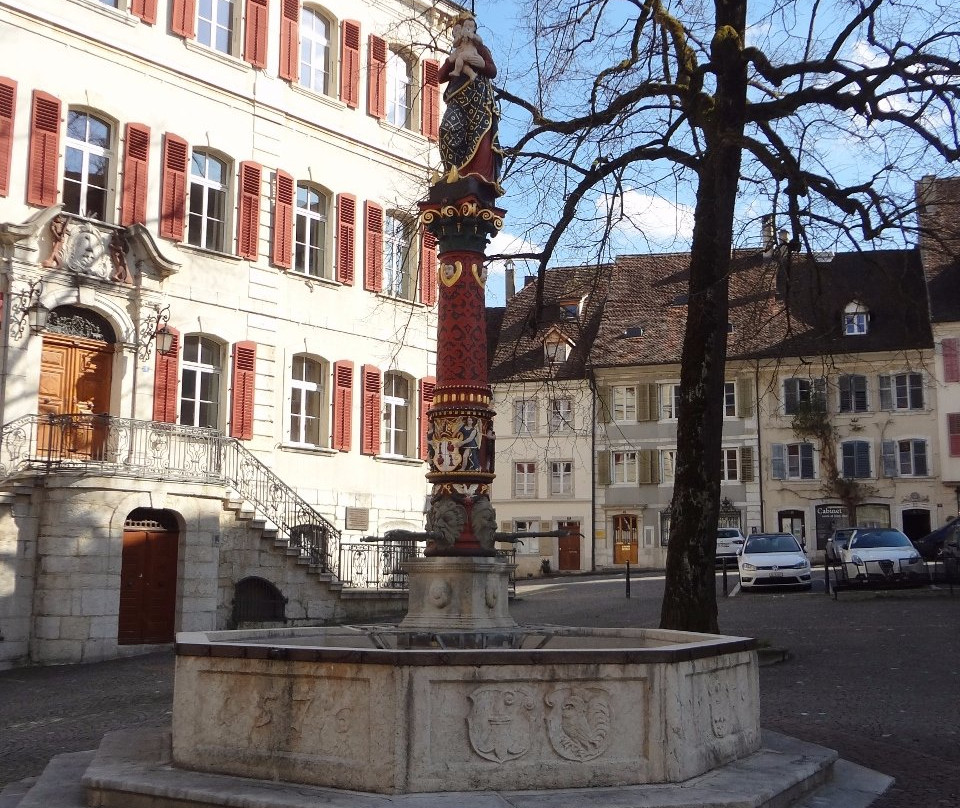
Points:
[(464, 52)]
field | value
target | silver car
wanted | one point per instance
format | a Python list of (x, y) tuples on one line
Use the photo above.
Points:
[(881, 554), (773, 559)]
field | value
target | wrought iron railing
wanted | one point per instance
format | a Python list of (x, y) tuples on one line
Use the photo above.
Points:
[(155, 450)]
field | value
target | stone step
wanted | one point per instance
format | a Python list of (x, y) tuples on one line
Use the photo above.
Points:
[(60, 784), (11, 794)]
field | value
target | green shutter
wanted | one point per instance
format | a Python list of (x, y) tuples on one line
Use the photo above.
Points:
[(604, 413), (603, 468), (745, 396), (746, 464)]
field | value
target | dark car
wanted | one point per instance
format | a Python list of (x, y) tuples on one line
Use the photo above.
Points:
[(931, 546)]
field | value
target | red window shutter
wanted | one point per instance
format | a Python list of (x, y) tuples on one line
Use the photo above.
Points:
[(377, 77), (346, 236), (370, 411), (342, 404), (136, 156), (8, 108), (373, 247), (951, 360), (281, 251), (244, 380), (146, 10), (428, 268), (173, 186), (255, 33), (248, 211), (166, 378), (183, 18), (430, 122), (427, 384), (953, 432), (44, 150), (290, 40), (350, 63)]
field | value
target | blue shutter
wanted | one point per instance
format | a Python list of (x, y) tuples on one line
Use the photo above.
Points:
[(806, 461), (846, 394), (778, 461), (920, 458), (863, 459)]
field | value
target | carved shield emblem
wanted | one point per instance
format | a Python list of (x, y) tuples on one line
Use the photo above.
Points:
[(578, 722), (722, 719), (499, 722)]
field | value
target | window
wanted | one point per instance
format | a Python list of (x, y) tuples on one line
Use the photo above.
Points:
[(624, 403), (525, 416), (853, 393), (525, 479), (396, 414), (215, 24), (561, 478), (86, 166), (665, 518), (314, 51), (729, 399), (803, 394), (793, 461), (624, 467), (855, 456), (310, 232), (953, 433), (855, 319), (200, 382), (905, 458), (555, 352), (570, 309), (306, 401), (531, 545), (397, 281), (561, 414), (398, 90), (903, 391), (668, 465), (208, 202), (669, 401), (729, 465)]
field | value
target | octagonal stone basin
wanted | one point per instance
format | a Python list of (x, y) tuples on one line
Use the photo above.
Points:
[(379, 709)]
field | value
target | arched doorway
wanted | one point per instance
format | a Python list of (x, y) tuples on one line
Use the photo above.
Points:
[(148, 578), (76, 373), (916, 522)]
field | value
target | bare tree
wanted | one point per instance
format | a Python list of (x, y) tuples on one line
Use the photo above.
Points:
[(823, 113)]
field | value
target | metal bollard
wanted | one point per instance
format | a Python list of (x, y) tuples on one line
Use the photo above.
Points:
[(826, 576), (628, 579), (723, 561)]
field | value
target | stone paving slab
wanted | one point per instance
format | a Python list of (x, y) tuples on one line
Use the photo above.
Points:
[(852, 786), (59, 786)]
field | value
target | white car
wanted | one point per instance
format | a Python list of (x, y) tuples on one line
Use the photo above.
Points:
[(729, 542), (773, 559), (881, 554)]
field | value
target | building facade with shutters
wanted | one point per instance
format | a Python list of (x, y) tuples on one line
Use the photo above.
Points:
[(211, 208)]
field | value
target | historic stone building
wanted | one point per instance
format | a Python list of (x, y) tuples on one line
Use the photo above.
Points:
[(219, 316)]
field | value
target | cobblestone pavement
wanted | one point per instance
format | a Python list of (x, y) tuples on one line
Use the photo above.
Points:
[(876, 678)]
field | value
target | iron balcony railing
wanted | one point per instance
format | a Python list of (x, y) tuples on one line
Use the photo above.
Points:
[(155, 450)]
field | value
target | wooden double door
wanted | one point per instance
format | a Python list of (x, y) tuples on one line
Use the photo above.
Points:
[(148, 586)]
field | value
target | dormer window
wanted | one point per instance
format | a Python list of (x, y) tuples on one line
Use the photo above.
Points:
[(570, 309), (556, 352), (856, 319)]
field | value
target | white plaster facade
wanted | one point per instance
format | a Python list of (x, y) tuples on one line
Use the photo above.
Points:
[(60, 537)]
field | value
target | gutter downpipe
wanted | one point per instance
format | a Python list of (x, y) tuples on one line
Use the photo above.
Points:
[(756, 414), (593, 473)]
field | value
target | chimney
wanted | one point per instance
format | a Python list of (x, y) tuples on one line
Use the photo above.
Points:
[(767, 233), (509, 280)]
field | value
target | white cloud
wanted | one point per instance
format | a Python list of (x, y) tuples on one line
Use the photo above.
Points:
[(660, 222), (507, 244)]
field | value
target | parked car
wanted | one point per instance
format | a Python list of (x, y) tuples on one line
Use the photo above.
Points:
[(882, 554), (837, 542), (931, 546), (729, 542), (773, 559)]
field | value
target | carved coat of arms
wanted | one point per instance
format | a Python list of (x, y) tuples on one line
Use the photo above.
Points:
[(499, 722), (578, 722)]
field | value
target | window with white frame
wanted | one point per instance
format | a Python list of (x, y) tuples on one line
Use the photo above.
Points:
[(624, 467), (901, 391), (215, 24), (669, 401), (853, 393), (561, 478), (524, 416), (668, 465), (799, 394), (525, 479), (856, 319), (310, 232), (555, 351), (855, 459), (314, 51), (399, 90), (793, 461), (200, 382), (561, 414), (729, 399), (729, 465), (86, 165), (306, 401), (905, 458), (530, 545), (208, 201), (396, 414), (624, 403), (397, 279)]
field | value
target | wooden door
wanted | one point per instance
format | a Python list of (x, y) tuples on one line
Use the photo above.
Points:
[(626, 541), (75, 378), (148, 587), (569, 546)]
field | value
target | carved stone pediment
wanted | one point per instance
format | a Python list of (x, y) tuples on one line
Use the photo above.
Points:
[(88, 249)]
